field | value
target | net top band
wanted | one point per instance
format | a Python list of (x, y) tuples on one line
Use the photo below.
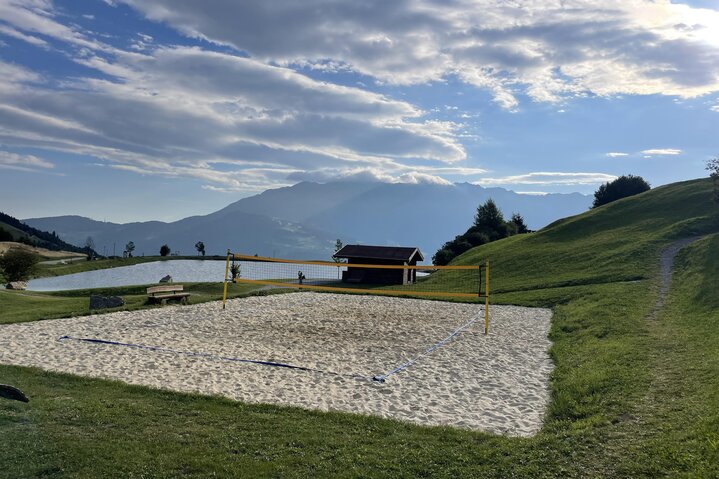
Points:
[(353, 265)]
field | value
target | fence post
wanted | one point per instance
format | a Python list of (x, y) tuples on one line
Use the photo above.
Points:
[(486, 298), (227, 272)]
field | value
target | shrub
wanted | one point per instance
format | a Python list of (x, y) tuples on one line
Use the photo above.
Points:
[(442, 257), (18, 264), (713, 168), (517, 223), (235, 270), (476, 238), (622, 187), (5, 235), (164, 250)]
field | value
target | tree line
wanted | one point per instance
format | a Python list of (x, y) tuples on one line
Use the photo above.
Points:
[(489, 225)]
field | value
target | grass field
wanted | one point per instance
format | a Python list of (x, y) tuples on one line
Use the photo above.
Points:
[(631, 396)]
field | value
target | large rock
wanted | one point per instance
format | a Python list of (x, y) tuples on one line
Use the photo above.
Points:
[(166, 279), (16, 285), (103, 302)]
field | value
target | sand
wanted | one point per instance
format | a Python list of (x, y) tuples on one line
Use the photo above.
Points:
[(496, 383)]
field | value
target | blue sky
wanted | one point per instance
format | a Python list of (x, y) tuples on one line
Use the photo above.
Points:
[(130, 110)]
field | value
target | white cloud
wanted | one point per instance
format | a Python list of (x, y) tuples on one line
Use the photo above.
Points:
[(715, 108), (11, 32), (548, 178), (616, 154), (549, 50), (179, 112), (19, 162), (661, 151), (37, 17)]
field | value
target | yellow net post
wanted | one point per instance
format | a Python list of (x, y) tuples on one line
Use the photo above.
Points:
[(227, 272), (486, 298)]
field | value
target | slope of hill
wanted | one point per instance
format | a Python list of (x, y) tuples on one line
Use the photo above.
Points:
[(616, 242), (245, 232), (22, 232)]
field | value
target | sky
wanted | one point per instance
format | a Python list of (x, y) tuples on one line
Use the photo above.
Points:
[(129, 110)]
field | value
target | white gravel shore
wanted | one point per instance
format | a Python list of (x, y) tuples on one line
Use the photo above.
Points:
[(496, 383)]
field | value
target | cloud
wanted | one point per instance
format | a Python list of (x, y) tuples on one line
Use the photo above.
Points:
[(30, 163), (548, 178), (38, 17), (183, 112), (715, 108), (11, 32), (616, 154), (661, 151), (547, 50)]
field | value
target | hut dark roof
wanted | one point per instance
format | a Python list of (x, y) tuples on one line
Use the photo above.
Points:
[(395, 253)]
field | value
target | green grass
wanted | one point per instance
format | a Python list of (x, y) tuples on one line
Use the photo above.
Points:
[(631, 397)]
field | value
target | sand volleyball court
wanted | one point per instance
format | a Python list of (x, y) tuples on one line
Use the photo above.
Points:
[(496, 383)]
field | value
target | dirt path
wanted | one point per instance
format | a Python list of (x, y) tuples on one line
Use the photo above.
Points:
[(666, 265)]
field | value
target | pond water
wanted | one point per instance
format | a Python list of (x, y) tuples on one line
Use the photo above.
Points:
[(180, 270)]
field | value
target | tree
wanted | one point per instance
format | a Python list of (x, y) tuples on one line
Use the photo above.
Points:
[(164, 250), (518, 222), (129, 248), (338, 246), (89, 247), (489, 225), (18, 264), (442, 257), (622, 187), (5, 235), (490, 221), (200, 247), (713, 169)]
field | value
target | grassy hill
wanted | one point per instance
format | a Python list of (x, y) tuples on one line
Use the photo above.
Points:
[(635, 392), (617, 242), (20, 232)]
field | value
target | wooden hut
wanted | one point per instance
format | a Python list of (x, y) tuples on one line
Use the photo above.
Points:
[(379, 255)]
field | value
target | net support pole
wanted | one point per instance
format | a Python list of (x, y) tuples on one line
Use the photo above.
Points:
[(486, 298), (227, 272)]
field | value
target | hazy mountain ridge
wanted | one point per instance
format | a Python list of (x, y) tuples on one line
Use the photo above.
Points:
[(424, 215), (302, 221)]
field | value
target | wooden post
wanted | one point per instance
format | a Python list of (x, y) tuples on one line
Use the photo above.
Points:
[(486, 298), (227, 272)]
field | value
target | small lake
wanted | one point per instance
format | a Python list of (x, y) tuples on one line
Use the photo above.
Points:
[(180, 270)]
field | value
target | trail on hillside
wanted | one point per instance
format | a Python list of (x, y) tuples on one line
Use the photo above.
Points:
[(666, 265)]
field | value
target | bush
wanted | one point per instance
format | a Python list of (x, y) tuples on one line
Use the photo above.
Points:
[(18, 264), (517, 224), (442, 257), (713, 168), (622, 187), (5, 235), (476, 238), (164, 250)]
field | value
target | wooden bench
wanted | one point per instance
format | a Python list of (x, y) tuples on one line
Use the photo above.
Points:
[(163, 293)]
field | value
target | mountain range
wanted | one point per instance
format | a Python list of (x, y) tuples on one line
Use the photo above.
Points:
[(304, 220)]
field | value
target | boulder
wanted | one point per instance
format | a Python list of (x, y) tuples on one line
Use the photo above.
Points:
[(104, 302), (16, 285), (166, 279)]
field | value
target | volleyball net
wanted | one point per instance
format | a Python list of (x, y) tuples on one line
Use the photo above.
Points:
[(465, 282)]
